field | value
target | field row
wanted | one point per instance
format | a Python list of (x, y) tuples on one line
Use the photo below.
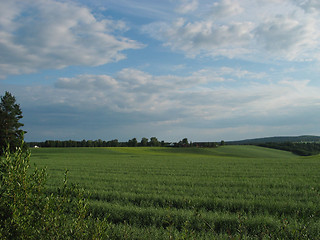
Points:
[(231, 190), (205, 221)]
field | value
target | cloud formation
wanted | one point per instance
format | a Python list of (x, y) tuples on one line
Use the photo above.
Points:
[(48, 34), (200, 95), (188, 6), (287, 30), (251, 68), (199, 104)]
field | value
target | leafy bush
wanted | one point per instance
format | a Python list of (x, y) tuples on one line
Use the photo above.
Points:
[(28, 211)]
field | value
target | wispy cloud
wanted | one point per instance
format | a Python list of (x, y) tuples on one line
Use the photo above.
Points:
[(187, 6), (226, 9), (291, 37)]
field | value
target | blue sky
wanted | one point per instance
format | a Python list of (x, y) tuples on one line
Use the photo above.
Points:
[(205, 70)]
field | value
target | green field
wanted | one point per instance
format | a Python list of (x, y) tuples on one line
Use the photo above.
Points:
[(194, 193)]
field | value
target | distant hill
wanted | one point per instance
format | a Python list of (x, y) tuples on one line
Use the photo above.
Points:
[(281, 139)]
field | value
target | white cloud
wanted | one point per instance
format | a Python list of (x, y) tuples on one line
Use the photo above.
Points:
[(86, 82), (203, 37), (188, 6), (289, 36), (199, 95), (226, 8), (254, 30), (311, 6), (201, 102), (42, 34)]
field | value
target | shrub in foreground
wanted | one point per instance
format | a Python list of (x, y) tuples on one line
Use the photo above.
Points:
[(28, 211)]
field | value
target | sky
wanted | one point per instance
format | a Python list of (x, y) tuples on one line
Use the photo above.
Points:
[(208, 70)]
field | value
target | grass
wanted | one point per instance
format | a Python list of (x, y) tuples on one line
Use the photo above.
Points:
[(194, 193)]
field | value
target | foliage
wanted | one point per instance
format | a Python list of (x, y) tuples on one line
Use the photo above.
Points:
[(154, 142), (144, 142), (10, 115), (28, 211), (100, 143), (230, 192), (299, 148), (133, 143), (295, 139), (183, 143)]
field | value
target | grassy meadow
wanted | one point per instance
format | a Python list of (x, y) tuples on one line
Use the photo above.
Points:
[(235, 192)]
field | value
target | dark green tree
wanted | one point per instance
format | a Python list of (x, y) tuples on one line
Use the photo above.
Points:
[(185, 142), (144, 142), (154, 142), (10, 115), (113, 143), (133, 142)]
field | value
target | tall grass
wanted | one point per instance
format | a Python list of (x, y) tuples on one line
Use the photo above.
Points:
[(230, 191)]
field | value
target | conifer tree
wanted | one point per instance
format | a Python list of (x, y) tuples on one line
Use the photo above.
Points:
[(10, 115)]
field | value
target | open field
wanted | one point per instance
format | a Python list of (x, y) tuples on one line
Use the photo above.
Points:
[(163, 193)]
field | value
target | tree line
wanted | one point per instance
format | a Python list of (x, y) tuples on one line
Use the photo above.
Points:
[(144, 142), (11, 135), (153, 142), (298, 148)]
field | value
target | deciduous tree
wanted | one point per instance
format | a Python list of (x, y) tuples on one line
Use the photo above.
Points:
[(154, 142), (144, 142)]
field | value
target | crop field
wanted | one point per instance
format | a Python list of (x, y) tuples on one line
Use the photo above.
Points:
[(230, 192)]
